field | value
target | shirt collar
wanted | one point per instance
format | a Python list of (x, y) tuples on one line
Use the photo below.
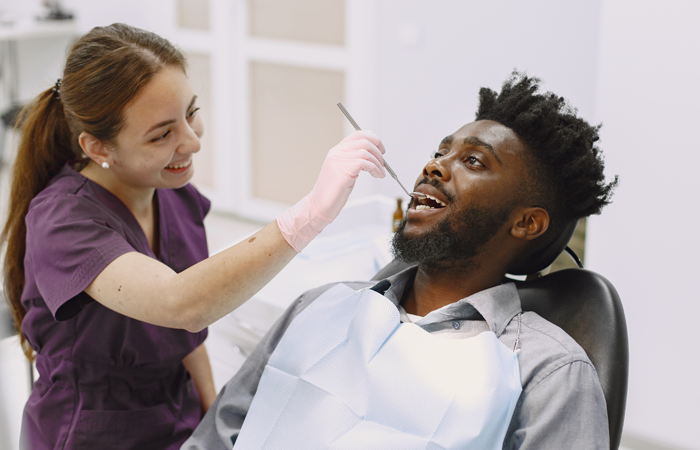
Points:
[(497, 305)]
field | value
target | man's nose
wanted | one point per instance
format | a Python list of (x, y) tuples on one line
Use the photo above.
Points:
[(436, 168)]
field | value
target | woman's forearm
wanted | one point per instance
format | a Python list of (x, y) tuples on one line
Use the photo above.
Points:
[(145, 289), (198, 365)]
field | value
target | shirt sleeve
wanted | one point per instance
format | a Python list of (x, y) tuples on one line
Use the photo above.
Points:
[(203, 203), (566, 409), (222, 423), (70, 240)]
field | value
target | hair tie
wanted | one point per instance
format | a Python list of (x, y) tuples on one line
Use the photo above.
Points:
[(57, 89)]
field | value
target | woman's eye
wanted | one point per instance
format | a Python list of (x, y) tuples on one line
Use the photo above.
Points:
[(161, 137), (193, 112)]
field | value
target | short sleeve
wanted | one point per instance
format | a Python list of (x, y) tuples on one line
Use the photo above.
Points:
[(203, 202), (70, 240)]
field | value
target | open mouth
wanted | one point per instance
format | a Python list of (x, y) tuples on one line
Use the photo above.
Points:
[(182, 165), (428, 202)]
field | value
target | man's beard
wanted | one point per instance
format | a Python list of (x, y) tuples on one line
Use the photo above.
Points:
[(454, 241)]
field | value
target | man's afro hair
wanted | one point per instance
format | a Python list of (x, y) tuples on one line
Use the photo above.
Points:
[(566, 176)]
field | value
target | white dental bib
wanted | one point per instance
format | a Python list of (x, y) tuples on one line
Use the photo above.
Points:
[(348, 374)]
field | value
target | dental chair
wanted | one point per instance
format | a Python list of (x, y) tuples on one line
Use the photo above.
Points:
[(586, 306)]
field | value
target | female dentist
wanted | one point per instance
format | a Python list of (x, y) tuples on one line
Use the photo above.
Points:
[(106, 267)]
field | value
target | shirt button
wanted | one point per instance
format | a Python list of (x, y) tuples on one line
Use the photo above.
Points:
[(455, 325)]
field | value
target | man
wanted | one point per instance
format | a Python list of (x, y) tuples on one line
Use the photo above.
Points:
[(440, 355)]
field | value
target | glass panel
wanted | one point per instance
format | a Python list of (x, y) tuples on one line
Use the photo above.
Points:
[(193, 14), (294, 122), (199, 72), (318, 21)]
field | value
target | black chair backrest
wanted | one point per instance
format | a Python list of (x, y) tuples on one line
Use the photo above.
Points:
[(588, 308), (544, 257)]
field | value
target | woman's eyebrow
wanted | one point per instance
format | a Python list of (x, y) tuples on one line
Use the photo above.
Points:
[(194, 98), (159, 125), (169, 121), (475, 141)]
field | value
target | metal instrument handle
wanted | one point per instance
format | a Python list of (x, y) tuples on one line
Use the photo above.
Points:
[(386, 164)]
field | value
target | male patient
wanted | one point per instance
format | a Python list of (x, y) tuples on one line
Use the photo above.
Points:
[(441, 356)]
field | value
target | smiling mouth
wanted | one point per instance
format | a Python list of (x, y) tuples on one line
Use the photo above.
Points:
[(428, 202), (179, 166)]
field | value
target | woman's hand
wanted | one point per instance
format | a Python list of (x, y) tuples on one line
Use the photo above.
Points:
[(361, 151), (197, 364)]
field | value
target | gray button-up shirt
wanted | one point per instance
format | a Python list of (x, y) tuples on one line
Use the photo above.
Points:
[(561, 406)]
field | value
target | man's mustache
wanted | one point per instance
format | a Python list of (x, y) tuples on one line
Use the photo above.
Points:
[(437, 185)]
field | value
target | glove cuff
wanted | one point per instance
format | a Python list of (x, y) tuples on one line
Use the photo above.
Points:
[(301, 223)]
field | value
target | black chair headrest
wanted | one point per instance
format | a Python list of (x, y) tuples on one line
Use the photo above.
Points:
[(544, 257)]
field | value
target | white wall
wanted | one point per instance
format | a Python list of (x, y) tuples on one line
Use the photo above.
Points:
[(647, 243), (434, 56), (148, 14)]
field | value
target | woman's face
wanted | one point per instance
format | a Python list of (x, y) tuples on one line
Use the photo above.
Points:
[(161, 132)]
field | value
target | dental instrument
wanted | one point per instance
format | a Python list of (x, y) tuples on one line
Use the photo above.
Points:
[(416, 195)]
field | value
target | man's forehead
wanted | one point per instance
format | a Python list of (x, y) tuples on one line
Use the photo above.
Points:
[(487, 132)]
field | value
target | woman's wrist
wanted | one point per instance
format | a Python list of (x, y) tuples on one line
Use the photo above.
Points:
[(301, 223)]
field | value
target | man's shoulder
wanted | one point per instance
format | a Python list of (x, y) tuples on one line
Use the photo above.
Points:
[(546, 348)]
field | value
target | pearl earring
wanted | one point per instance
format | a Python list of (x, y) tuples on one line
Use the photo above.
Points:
[(105, 165)]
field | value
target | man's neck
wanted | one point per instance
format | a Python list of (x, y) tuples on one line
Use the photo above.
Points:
[(435, 287)]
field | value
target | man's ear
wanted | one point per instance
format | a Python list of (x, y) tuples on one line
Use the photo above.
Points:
[(94, 148), (530, 223)]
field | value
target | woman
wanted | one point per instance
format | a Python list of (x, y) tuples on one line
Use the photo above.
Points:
[(106, 267)]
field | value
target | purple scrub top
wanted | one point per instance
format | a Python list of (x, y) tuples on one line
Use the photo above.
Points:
[(105, 380)]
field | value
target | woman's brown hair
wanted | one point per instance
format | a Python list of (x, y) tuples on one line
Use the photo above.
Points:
[(105, 71)]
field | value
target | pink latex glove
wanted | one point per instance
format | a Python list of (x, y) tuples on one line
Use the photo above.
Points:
[(360, 151)]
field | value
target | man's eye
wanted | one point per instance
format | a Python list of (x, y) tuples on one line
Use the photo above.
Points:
[(473, 161), (436, 155)]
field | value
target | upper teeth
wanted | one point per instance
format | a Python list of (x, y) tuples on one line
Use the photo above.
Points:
[(439, 202), (180, 166)]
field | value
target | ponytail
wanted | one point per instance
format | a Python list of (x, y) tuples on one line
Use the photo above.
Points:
[(44, 147)]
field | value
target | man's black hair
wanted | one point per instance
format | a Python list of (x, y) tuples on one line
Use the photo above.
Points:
[(566, 176)]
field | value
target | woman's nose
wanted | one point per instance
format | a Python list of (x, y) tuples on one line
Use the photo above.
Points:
[(436, 168), (191, 140)]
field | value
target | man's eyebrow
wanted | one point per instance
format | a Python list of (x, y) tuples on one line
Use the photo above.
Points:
[(447, 140), (169, 121), (475, 141)]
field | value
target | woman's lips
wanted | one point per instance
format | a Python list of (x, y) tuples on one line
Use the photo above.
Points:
[(180, 167)]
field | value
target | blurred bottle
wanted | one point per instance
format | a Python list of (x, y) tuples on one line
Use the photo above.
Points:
[(398, 214)]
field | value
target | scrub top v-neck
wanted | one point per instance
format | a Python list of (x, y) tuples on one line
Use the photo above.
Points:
[(105, 380)]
